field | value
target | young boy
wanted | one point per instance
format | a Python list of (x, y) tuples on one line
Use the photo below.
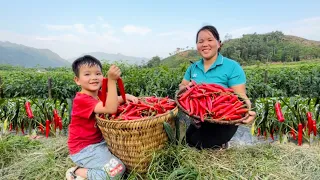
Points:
[(87, 147)]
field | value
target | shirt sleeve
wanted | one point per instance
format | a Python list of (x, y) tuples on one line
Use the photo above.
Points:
[(83, 106), (187, 74), (237, 76)]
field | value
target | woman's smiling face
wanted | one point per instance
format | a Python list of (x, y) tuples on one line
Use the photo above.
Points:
[(207, 44)]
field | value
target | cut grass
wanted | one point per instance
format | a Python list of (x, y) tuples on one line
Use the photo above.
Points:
[(48, 159)]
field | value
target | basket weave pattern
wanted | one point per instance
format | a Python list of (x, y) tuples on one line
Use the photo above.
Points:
[(134, 141)]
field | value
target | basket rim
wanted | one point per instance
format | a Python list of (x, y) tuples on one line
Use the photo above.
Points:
[(141, 119), (218, 121)]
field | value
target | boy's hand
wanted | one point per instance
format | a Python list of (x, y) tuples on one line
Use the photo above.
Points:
[(114, 72), (131, 98)]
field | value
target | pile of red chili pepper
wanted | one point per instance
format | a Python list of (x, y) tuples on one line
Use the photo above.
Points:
[(146, 107), (212, 101)]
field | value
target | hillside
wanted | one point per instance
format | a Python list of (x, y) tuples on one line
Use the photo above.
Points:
[(20, 55), (179, 58), (116, 57), (251, 48)]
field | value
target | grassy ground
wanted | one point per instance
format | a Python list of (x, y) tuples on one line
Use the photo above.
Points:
[(22, 158)]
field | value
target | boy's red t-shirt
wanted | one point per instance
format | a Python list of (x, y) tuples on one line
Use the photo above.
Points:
[(83, 129)]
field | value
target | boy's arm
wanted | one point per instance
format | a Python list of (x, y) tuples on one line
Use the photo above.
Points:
[(111, 102)]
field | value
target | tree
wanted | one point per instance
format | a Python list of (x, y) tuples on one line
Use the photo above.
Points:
[(227, 37), (155, 61)]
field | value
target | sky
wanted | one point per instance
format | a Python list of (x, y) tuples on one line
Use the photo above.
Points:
[(145, 28)]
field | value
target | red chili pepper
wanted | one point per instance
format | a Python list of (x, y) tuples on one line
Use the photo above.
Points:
[(104, 88), (314, 125), (121, 89), (220, 100), (197, 107), (132, 112), (279, 112), (47, 128), (129, 106), (187, 103), (183, 104), (232, 117), (225, 110), (202, 103), (28, 110), (259, 131), (60, 123), (202, 114), (221, 106), (168, 107), (238, 104), (10, 128), (218, 86), (233, 99), (211, 88), (241, 111), (186, 94), (55, 118), (192, 108), (271, 135), (198, 95), (300, 134), (310, 122), (209, 103), (230, 112)]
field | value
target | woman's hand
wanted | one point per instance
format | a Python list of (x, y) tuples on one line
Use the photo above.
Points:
[(184, 84), (241, 90), (251, 118)]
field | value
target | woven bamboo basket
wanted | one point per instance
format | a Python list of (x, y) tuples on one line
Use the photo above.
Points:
[(197, 118), (134, 141)]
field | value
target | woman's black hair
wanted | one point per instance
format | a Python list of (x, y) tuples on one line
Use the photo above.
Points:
[(214, 32)]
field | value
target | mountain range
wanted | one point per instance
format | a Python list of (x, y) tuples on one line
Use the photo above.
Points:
[(250, 48), (21, 55)]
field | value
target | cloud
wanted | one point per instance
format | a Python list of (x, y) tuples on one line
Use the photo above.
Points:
[(308, 28), (167, 33), (61, 38), (178, 35), (105, 25), (80, 28), (100, 18), (71, 40), (131, 29), (59, 27)]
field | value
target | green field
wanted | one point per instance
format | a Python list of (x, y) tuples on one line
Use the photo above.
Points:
[(294, 85)]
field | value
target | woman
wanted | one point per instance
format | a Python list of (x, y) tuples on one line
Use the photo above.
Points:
[(214, 68)]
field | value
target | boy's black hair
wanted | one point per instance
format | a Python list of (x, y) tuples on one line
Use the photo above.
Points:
[(85, 60), (214, 32)]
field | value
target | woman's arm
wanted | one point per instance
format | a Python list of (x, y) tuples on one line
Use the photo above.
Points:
[(241, 91), (184, 83)]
